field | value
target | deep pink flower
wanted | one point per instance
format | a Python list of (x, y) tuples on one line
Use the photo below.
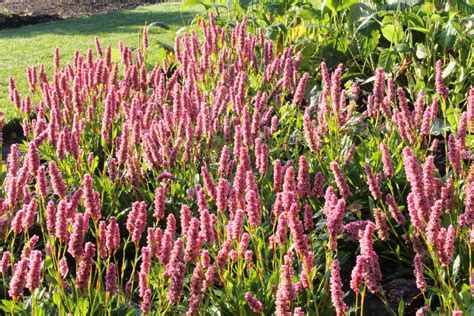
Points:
[(340, 180), (57, 182), (61, 221), (159, 203), (136, 221), (277, 176), (222, 194), (286, 291), (299, 93), (420, 278), (394, 210), (5, 262), (374, 182), (357, 276), (77, 236), (336, 289), (441, 89), (185, 218), (254, 303), (111, 279), (34, 270), (177, 272), (196, 289), (192, 241), (387, 162), (383, 230), (113, 236), (18, 281), (304, 185), (253, 208), (85, 266)]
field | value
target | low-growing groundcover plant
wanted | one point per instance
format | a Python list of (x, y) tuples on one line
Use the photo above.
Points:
[(211, 185)]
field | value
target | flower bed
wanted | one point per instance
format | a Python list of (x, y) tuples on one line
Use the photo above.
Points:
[(214, 183)]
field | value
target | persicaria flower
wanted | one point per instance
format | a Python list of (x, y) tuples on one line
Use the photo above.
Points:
[(185, 218), (77, 236), (253, 208), (63, 268), (41, 182), (159, 203), (222, 194), (5, 262), (340, 180), (304, 185), (177, 272), (419, 270), (299, 93), (286, 291), (277, 175), (336, 289), (192, 241), (374, 182), (394, 210), (57, 182), (358, 272), (112, 241), (254, 304), (61, 221), (441, 89), (136, 221), (381, 224), (18, 281), (34, 273), (111, 279), (85, 266)]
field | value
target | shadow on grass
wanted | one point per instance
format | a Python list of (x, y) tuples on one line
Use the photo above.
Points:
[(120, 22)]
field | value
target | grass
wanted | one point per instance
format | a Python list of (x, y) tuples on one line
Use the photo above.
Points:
[(35, 44)]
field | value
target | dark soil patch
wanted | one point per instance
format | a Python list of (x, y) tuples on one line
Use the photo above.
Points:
[(15, 20), (29, 12), (12, 134)]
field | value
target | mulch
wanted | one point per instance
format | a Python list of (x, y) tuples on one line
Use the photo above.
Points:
[(17, 14)]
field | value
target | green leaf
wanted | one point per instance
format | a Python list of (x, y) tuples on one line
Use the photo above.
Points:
[(421, 51), (401, 307), (244, 4), (392, 30), (387, 59), (453, 116), (160, 24), (189, 3), (456, 266), (449, 69), (438, 127), (447, 36), (358, 12), (368, 38)]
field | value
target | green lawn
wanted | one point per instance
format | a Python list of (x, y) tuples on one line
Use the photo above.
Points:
[(35, 44)]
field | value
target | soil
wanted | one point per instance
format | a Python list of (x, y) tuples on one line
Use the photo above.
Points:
[(18, 14)]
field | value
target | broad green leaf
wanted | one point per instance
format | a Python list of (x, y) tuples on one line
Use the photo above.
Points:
[(368, 38), (392, 30), (421, 51), (387, 59), (447, 36), (359, 11), (449, 69), (438, 127), (453, 116)]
